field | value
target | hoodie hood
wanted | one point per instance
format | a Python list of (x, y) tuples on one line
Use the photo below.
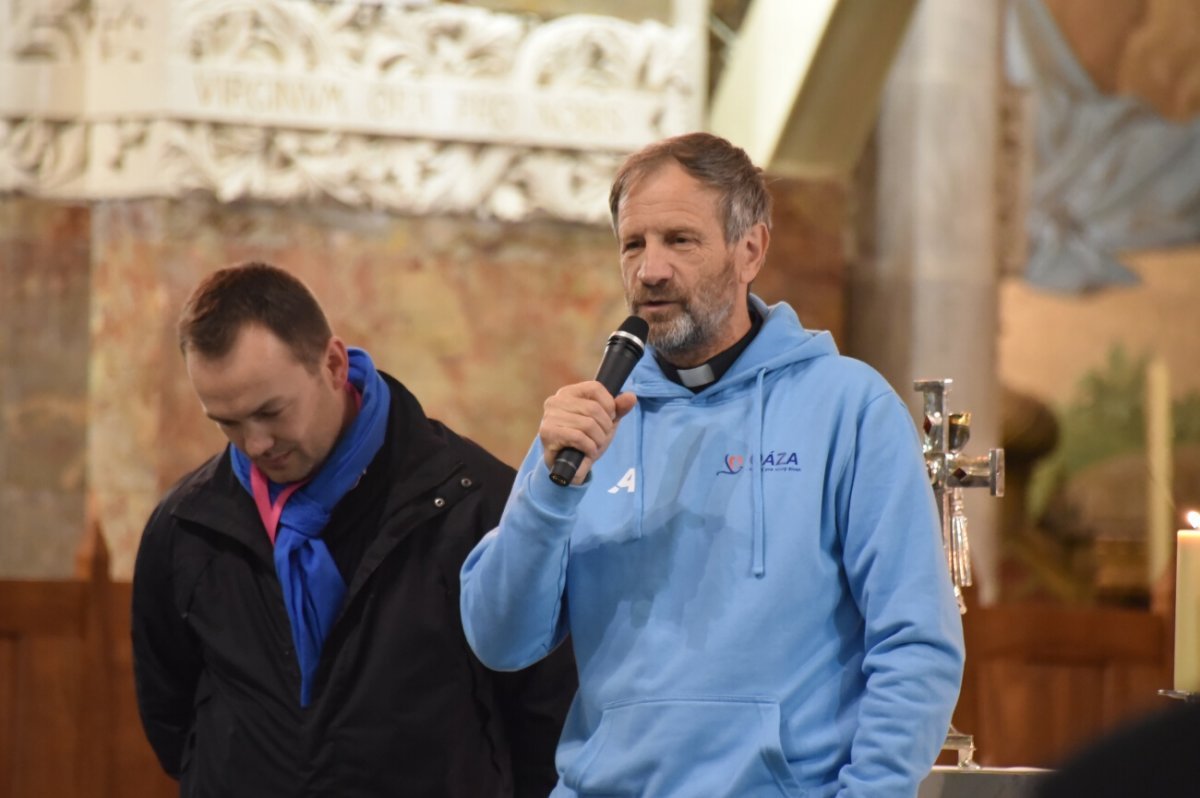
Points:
[(780, 343)]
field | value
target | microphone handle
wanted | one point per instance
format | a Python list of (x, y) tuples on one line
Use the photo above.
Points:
[(615, 368), (565, 466)]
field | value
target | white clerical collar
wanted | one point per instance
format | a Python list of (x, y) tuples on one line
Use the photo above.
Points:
[(698, 377)]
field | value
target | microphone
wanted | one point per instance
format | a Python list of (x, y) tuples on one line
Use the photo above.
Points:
[(624, 350)]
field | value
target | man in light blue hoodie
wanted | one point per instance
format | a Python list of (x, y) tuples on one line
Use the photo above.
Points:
[(748, 561)]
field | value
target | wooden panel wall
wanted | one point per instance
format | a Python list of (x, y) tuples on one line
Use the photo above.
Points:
[(1043, 680), (68, 718)]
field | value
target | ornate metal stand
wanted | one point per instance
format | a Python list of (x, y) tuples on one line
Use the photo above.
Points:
[(950, 473)]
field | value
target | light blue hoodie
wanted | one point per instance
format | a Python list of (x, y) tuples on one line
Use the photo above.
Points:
[(753, 580)]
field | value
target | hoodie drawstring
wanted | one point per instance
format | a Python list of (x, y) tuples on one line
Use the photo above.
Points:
[(759, 553), (640, 472)]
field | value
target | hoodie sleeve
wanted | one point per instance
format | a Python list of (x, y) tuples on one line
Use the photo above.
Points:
[(512, 600), (898, 575)]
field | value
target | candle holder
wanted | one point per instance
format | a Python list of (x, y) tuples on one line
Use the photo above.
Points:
[(963, 745), (1186, 696)]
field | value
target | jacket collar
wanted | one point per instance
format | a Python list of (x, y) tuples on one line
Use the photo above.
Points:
[(415, 451)]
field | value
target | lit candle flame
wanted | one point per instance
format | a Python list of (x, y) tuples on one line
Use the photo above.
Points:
[(1193, 518)]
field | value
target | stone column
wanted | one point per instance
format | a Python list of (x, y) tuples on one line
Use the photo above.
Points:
[(924, 290)]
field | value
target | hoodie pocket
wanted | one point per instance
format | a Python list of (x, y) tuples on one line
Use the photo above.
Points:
[(713, 746)]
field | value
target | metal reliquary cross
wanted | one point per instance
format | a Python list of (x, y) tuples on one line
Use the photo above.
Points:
[(950, 473)]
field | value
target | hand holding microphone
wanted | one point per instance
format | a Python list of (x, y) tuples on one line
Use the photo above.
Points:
[(624, 349)]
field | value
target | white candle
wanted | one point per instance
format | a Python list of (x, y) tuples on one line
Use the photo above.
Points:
[(1187, 611), (1159, 477)]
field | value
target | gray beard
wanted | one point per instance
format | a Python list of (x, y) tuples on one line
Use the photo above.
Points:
[(685, 334)]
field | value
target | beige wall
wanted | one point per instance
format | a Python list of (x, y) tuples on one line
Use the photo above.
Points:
[(1049, 341), (44, 298), (481, 319)]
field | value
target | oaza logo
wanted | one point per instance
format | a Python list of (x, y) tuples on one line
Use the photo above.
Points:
[(734, 464), (771, 461)]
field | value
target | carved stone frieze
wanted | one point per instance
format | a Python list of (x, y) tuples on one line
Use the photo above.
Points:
[(75, 31), (40, 154), (398, 175), (412, 107)]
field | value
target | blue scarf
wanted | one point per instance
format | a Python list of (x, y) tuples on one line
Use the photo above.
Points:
[(313, 588)]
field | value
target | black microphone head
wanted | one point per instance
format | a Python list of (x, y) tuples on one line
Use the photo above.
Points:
[(636, 326)]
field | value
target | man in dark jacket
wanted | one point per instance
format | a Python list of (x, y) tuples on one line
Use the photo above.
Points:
[(295, 599)]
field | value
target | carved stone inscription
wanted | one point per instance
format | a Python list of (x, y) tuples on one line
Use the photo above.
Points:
[(293, 99), (462, 110)]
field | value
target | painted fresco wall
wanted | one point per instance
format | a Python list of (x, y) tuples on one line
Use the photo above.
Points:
[(1083, 358)]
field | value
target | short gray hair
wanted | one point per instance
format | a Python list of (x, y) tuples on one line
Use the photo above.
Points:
[(744, 198)]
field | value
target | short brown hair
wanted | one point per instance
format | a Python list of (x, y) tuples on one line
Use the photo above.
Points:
[(715, 162), (229, 299)]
